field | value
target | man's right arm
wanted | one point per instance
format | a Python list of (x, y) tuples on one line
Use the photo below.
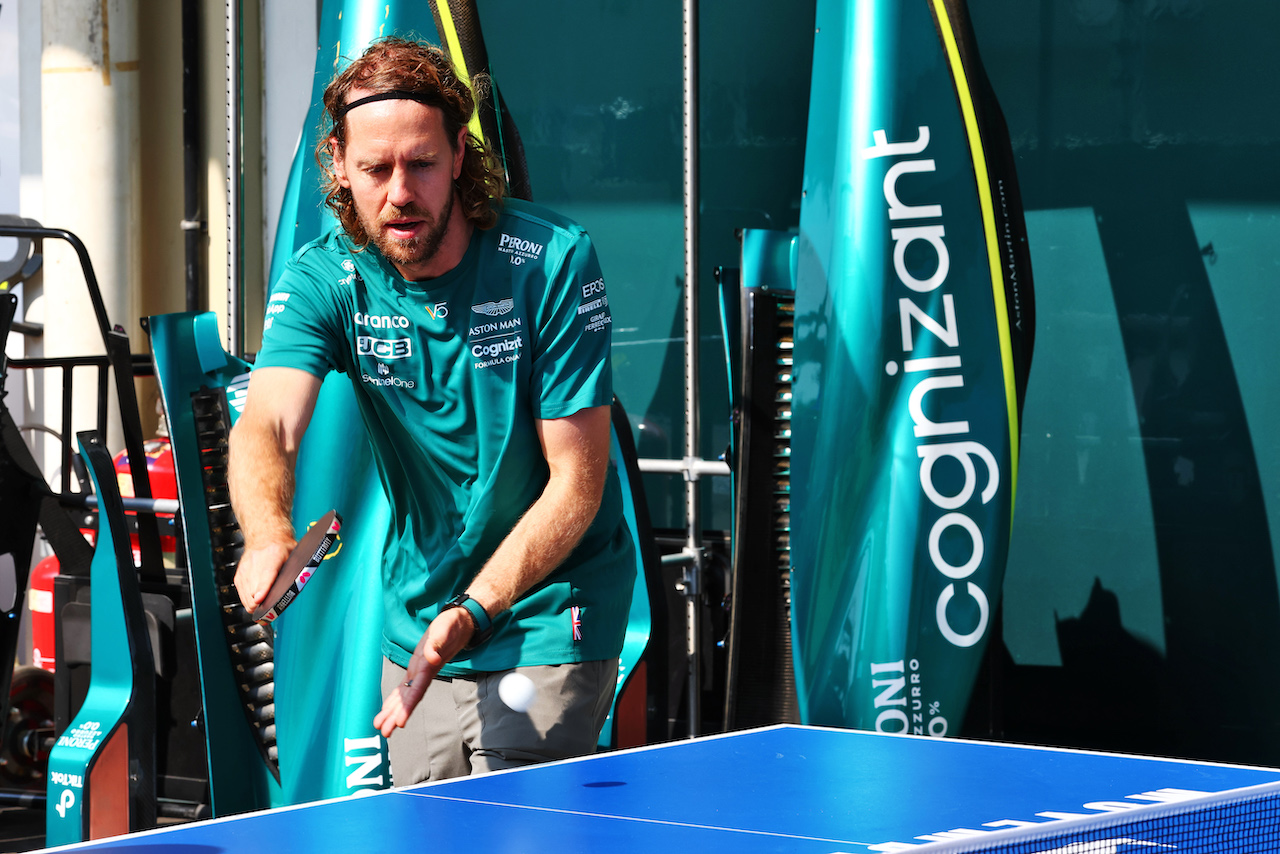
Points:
[(263, 449)]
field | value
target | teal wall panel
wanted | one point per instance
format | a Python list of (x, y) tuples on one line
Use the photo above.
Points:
[(595, 89), (1241, 250), (1083, 509), (1141, 591)]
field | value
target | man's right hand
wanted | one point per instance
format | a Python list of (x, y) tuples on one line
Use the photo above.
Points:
[(262, 454), (257, 572)]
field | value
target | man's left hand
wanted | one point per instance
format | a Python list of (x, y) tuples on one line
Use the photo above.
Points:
[(445, 638)]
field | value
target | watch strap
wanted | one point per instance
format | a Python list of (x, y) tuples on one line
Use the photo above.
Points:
[(479, 618)]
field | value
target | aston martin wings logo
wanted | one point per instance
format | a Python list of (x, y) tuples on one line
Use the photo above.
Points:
[(494, 309)]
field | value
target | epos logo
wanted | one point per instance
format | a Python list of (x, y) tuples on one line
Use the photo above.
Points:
[(384, 348), (590, 289)]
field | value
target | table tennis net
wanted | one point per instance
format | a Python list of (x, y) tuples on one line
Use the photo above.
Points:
[(1241, 821)]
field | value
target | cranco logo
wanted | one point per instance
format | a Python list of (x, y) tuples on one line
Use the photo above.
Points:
[(381, 321), (495, 309), (519, 249), (384, 348)]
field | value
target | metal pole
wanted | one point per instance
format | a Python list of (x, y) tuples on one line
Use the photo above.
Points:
[(235, 273), (192, 225), (691, 581), (700, 468)]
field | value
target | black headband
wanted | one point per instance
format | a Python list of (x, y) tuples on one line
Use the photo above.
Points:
[(429, 99)]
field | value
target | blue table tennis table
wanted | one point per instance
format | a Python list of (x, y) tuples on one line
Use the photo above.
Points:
[(784, 788)]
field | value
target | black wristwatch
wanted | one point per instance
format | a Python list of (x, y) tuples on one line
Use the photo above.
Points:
[(479, 618)]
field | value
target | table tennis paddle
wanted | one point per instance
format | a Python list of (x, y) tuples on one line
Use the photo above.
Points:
[(299, 567)]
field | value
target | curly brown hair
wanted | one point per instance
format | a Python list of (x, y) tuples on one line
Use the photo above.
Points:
[(423, 70)]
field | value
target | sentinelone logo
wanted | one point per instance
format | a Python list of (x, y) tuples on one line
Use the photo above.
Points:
[(387, 381)]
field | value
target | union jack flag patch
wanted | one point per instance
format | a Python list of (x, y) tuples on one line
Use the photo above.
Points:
[(576, 613)]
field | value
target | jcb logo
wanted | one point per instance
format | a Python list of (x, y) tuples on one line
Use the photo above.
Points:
[(438, 311), (383, 348)]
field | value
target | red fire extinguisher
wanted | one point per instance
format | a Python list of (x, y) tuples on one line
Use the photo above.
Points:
[(164, 484), (40, 604)]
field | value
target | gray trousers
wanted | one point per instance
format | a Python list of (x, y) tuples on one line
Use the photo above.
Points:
[(462, 727)]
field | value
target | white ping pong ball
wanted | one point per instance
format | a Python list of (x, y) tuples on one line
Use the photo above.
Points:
[(517, 691)]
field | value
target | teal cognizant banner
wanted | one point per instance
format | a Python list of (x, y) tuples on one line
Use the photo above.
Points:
[(913, 339)]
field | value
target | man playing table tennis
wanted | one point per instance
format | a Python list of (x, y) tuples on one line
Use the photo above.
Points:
[(475, 331)]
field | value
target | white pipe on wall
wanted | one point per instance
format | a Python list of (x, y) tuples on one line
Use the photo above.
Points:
[(89, 132)]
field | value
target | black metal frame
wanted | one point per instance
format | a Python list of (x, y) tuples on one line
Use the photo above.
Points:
[(124, 366), (27, 499)]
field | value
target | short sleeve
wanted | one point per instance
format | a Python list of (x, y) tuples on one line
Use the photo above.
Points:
[(300, 328), (571, 369)]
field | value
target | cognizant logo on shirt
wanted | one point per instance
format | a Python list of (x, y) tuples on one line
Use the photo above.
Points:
[(498, 350)]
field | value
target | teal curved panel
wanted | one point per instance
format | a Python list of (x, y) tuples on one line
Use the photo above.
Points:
[(639, 621), (110, 743), (913, 332), (328, 647), (188, 356), (346, 28)]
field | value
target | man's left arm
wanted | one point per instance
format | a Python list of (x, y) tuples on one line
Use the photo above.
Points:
[(577, 452)]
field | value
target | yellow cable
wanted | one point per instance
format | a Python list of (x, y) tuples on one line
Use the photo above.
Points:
[(450, 36), (989, 229)]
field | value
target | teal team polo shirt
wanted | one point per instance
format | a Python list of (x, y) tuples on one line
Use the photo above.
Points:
[(450, 375)]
